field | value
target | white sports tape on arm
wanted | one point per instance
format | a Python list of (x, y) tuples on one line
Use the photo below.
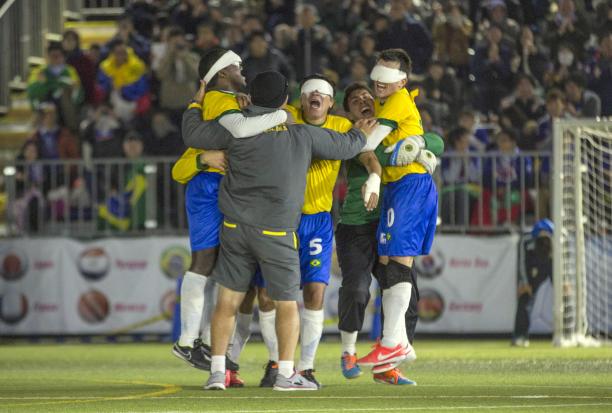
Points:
[(228, 59), (386, 74), (376, 137), (241, 126), (317, 85)]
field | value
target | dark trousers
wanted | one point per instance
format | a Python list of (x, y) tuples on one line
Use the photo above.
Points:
[(356, 248), (523, 315)]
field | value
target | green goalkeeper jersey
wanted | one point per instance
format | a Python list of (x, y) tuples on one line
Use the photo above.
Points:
[(353, 211)]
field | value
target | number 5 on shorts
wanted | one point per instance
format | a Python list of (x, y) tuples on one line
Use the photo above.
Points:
[(315, 246)]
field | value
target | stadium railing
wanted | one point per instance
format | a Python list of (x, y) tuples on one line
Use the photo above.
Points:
[(479, 194)]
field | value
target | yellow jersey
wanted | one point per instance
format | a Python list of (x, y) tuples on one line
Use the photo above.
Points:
[(401, 114), (322, 174), (216, 104)]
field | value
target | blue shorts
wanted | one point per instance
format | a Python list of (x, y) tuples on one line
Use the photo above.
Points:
[(203, 215), (408, 217), (316, 236)]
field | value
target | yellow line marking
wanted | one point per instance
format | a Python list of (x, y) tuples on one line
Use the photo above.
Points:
[(274, 233), (166, 390)]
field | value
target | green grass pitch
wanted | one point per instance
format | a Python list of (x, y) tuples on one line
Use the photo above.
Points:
[(452, 375)]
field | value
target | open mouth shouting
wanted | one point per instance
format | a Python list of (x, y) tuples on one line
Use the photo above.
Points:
[(381, 88), (315, 101)]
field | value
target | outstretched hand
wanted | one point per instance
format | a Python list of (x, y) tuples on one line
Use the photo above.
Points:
[(367, 126)]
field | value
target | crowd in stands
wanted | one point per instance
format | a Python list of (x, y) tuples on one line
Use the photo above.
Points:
[(492, 75)]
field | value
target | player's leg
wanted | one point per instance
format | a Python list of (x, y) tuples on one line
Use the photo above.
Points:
[(356, 249), (242, 333), (267, 324), (233, 273), (520, 337), (316, 247), (280, 267), (204, 220)]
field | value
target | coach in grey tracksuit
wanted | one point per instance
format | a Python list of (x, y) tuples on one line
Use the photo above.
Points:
[(261, 198)]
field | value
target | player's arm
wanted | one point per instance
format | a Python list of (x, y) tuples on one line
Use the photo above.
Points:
[(201, 134), (241, 126), (328, 144), (371, 188)]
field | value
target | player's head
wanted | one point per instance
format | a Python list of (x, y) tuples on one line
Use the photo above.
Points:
[(269, 90), (391, 72), (358, 101), (221, 68), (317, 97), (542, 232), (55, 54)]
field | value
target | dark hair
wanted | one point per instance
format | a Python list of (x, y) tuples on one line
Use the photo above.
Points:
[(74, 34), (352, 88), (175, 31), (397, 55), (578, 79), (554, 94), (55, 47), (529, 78), (208, 60), (456, 134), (115, 43), (510, 133), (256, 33), (319, 76)]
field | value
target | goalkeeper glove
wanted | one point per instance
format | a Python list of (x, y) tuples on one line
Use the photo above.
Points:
[(428, 160), (405, 151), (371, 186)]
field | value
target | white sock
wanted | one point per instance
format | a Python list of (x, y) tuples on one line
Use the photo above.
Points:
[(312, 329), (210, 300), (267, 324), (348, 342), (217, 363), (285, 368), (395, 303), (242, 333), (192, 304)]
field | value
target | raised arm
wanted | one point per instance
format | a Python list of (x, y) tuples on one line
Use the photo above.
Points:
[(241, 126)]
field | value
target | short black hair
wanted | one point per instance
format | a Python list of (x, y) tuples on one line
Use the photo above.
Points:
[(55, 47), (397, 55), (352, 88), (74, 34), (455, 134), (319, 76), (256, 33), (175, 31), (208, 60)]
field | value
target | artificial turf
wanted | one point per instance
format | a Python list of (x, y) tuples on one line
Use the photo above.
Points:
[(452, 375)]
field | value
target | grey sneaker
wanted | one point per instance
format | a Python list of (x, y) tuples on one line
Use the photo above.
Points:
[(216, 381), (198, 356), (293, 383)]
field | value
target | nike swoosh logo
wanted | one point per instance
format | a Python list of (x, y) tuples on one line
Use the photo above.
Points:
[(388, 355)]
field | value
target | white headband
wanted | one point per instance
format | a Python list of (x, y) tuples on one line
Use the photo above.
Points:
[(228, 59), (385, 74), (317, 85)]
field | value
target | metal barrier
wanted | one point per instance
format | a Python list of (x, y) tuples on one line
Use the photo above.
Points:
[(479, 193)]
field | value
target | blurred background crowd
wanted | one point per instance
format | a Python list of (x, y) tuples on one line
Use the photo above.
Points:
[(492, 75)]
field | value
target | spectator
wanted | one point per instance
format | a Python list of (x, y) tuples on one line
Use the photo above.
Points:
[(177, 73), (567, 26), (353, 14), (261, 57), (531, 60), (205, 39), (498, 16), (408, 33), (451, 36), (555, 108), (367, 49), (442, 89), (53, 140), (479, 136), (279, 12), (124, 207), (83, 64), (143, 14), (102, 136), (460, 172), (524, 99), (161, 137), (581, 103), (128, 36), (358, 73), (506, 178), (491, 69), (312, 42), (189, 14), (59, 83), (284, 39), (338, 57), (566, 64), (123, 78), (30, 186), (601, 73)]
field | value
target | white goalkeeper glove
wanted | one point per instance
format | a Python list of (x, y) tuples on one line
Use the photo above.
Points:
[(405, 151), (428, 160), (371, 191)]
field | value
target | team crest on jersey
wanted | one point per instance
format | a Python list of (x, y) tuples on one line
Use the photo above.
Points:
[(315, 263)]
